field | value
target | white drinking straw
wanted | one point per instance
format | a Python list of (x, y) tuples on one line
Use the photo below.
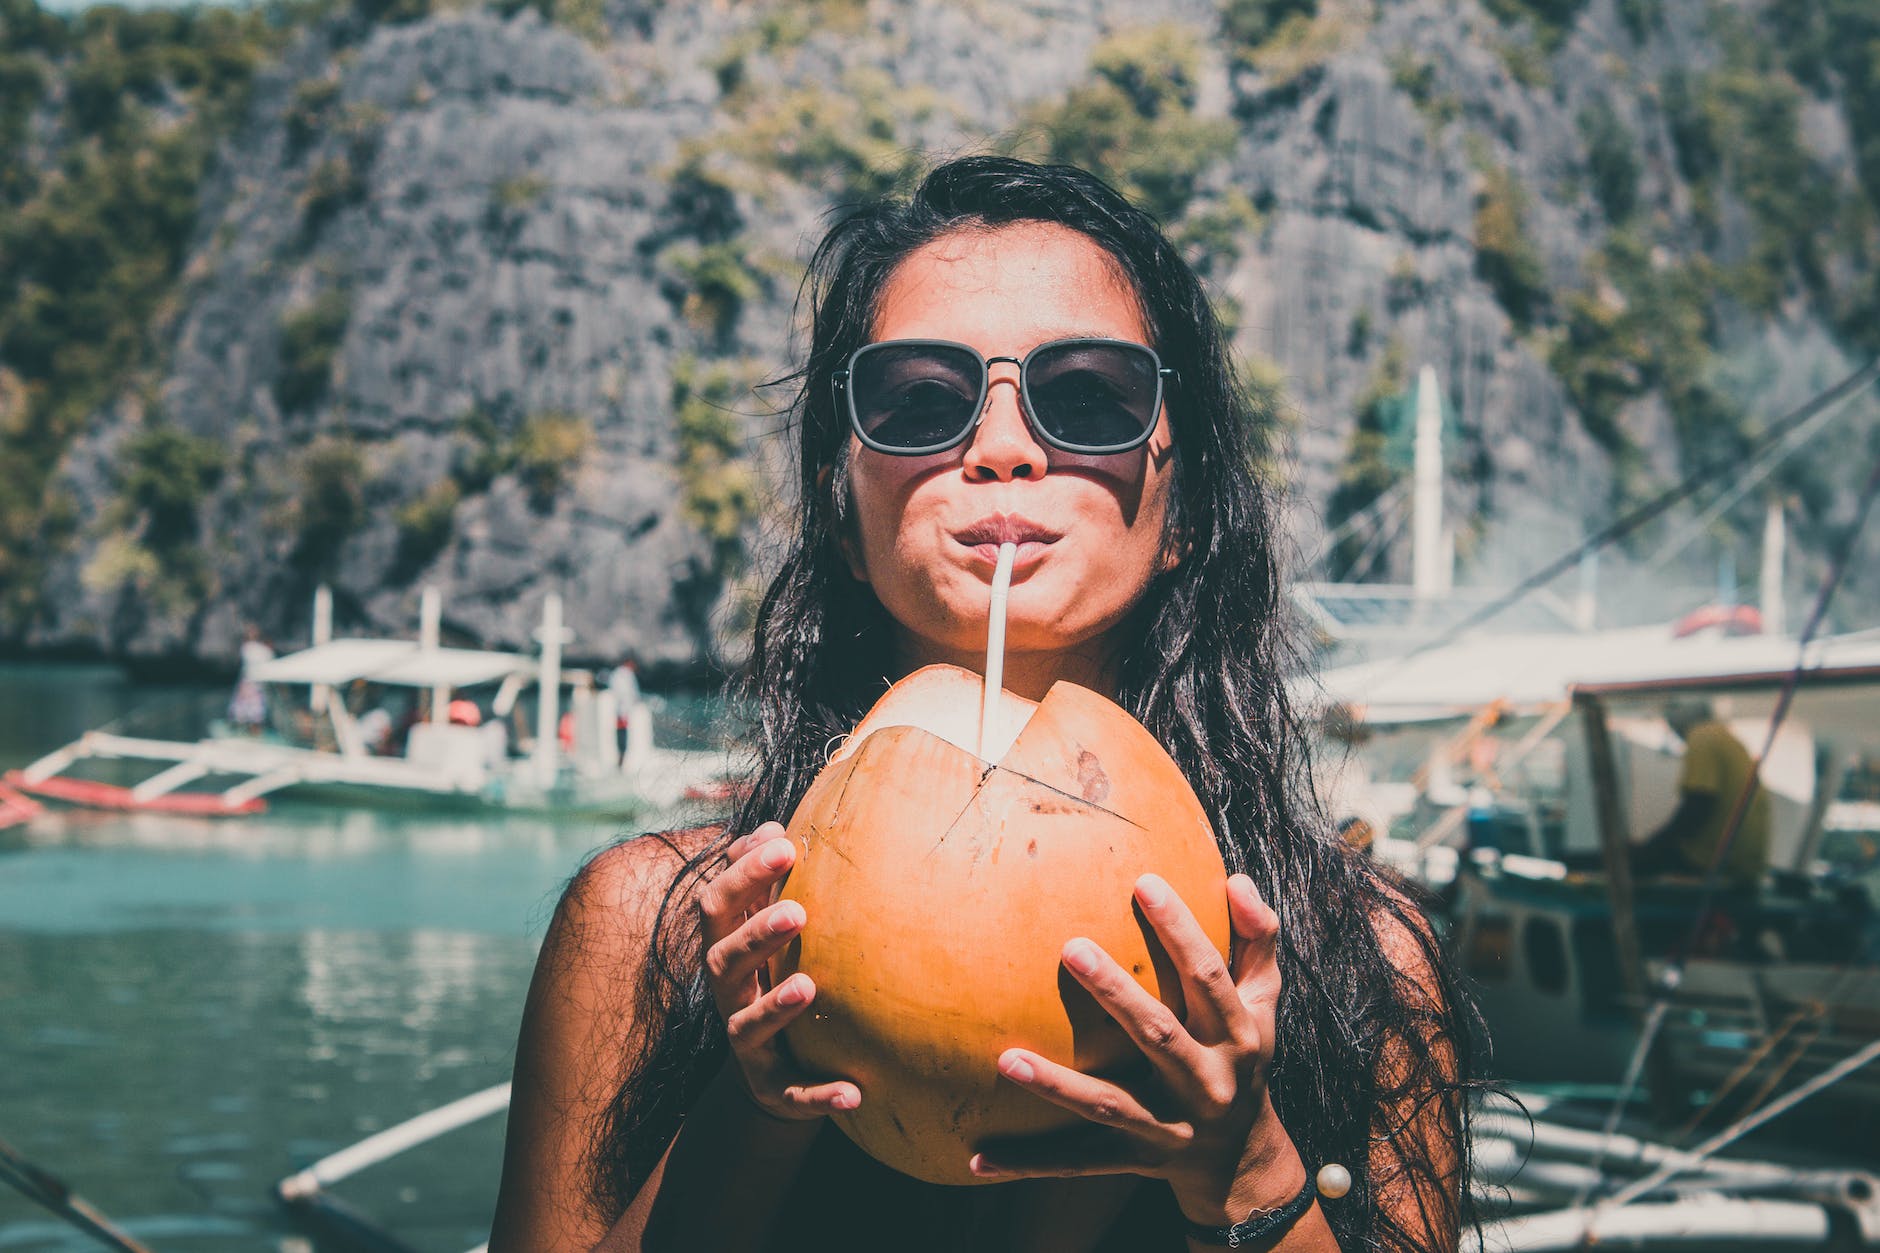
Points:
[(995, 644)]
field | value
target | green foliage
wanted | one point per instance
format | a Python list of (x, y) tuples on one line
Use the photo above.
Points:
[(1550, 20), (845, 141), (1504, 254), (519, 191), (164, 475), (1214, 234), (1526, 62), (309, 113), (1250, 23), (719, 279), (1833, 46), (310, 340), (510, 200), (1647, 326), (333, 185), (1134, 121), (1612, 159), (329, 503), (718, 489), (1416, 78), (482, 452), (22, 85), (1641, 17), (586, 18), (425, 525), (1737, 130), (393, 12), (546, 451)]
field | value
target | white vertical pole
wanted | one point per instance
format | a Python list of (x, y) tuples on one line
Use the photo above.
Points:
[(1775, 538), (1586, 604), (430, 630), (322, 634), (548, 711), (1427, 553)]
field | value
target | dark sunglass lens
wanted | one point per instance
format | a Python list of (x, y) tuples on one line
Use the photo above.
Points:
[(1093, 395), (916, 395)]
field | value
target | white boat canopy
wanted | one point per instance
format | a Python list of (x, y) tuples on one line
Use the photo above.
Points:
[(1531, 671), (400, 662)]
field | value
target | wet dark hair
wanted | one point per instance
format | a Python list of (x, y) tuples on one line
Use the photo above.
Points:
[(1363, 1046)]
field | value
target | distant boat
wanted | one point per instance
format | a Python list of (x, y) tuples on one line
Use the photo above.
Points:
[(315, 748), (1511, 771)]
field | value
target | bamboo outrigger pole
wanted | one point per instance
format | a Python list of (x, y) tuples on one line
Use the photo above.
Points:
[(56, 1195)]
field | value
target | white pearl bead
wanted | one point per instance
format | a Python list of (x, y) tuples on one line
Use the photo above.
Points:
[(1334, 1181)]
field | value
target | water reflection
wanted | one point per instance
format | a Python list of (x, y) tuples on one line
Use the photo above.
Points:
[(194, 1008)]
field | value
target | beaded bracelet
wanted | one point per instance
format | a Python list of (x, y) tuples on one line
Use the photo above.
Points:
[(1333, 1180)]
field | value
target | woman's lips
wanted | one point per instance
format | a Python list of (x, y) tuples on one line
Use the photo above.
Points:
[(984, 538), (1030, 553)]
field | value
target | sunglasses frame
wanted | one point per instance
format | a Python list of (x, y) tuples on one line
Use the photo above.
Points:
[(839, 382)]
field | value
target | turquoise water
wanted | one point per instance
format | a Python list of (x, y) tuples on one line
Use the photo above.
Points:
[(191, 1009)]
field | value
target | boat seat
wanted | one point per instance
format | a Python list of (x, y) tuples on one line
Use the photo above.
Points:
[(459, 753)]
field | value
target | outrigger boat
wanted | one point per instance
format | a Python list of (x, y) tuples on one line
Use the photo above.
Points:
[(1514, 770), (573, 764)]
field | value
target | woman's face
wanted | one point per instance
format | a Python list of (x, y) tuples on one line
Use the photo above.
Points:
[(1090, 527)]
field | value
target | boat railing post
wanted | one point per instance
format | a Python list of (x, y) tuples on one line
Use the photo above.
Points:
[(1615, 847), (607, 715), (430, 634), (639, 752), (548, 711), (1614, 844), (322, 634), (1831, 767)]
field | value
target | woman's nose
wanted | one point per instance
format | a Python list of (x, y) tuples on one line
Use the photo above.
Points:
[(1003, 445)]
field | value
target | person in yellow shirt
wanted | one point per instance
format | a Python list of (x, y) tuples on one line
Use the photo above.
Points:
[(1717, 768)]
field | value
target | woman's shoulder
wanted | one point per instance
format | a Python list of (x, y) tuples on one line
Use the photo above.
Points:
[(620, 889)]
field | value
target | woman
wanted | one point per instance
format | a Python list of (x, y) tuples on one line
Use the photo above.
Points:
[(653, 1106)]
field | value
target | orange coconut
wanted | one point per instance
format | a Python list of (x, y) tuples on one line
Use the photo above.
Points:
[(941, 889)]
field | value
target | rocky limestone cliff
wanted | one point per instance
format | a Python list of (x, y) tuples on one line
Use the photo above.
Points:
[(475, 300)]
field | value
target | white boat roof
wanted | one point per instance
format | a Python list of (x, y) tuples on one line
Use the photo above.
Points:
[(1529, 671), (401, 662)]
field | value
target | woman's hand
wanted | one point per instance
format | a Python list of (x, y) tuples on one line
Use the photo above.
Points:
[(1202, 1119), (741, 931)]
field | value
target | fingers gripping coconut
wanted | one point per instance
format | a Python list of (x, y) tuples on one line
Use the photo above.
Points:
[(742, 930)]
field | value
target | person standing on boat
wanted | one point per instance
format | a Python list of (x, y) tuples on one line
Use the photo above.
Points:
[(654, 1107), (1716, 771), (248, 707)]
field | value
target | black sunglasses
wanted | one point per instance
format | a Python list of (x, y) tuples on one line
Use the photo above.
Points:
[(912, 397)]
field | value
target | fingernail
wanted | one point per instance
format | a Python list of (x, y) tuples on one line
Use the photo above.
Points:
[(792, 992), (776, 855), (786, 917), (983, 1168), (1014, 1067), (1081, 956), (845, 1100), (1152, 890)]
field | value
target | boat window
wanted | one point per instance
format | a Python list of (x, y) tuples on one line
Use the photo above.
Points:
[(1545, 949), (1490, 940)]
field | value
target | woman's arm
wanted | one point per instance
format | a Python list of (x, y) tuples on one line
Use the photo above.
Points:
[(578, 1033), (753, 1123), (1416, 1155)]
